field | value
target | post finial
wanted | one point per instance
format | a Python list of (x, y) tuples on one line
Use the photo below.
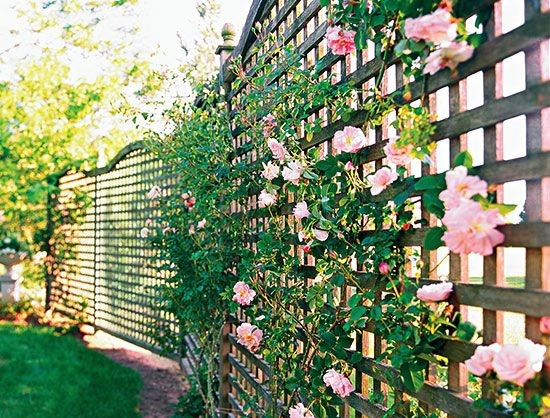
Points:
[(228, 34)]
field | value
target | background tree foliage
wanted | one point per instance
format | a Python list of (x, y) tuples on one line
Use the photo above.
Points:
[(68, 85)]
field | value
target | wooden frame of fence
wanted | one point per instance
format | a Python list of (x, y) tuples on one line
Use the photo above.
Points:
[(462, 123)]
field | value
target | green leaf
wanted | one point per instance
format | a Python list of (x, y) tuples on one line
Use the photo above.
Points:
[(354, 300), (433, 241), (431, 201), (465, 159), (430, 182), (413, 376), (503, 208), (466, 331), (357, 313)]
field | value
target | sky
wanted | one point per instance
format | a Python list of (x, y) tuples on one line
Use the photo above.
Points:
[(160, 22)]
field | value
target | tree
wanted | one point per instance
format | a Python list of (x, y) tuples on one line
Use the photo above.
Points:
[(66, 96)]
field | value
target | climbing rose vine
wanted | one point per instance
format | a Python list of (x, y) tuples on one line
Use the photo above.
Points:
[(243, 232)]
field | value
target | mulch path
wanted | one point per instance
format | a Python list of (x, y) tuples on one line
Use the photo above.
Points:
[(162, 378)]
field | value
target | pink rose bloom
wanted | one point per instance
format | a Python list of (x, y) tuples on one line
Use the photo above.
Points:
[(339, 383), (340, 41), (300, 411), (168, 229), (201, 224), (266, 199), (448, 56), (301, 211), (269, 124), (349, 166), (461, 187), (381, 180), (436, 27), (243, 293), (544, 325), (384, 268), (398, 155), (482, 360), (292, 172), (320, 234), (470, 229), (144, 233), (185, 196), (436, 292), (191, 229), (190, 203), (149, 222), (154, 193), (519, 363), (271, 170), (249, 336), (278, 149), (350, 139)]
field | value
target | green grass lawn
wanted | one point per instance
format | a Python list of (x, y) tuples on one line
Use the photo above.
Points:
[(43, 375)]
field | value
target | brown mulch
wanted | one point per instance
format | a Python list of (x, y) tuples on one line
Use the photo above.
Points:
[(162, 378)]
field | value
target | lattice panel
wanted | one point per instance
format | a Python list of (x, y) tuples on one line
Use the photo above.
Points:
[(113, 263), (495, 107)]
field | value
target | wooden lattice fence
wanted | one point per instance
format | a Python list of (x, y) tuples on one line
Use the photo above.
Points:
[(108, 269), (480, 109)]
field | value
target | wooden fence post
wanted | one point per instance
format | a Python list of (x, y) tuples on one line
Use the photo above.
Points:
[(224, 369)]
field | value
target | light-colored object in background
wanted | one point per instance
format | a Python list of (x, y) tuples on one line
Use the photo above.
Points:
[(12, 278)]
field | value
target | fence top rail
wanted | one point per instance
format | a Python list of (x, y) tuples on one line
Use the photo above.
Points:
[(121, 155)]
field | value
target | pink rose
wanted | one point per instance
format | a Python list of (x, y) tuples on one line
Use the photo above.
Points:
[(461, 187), (278, 149), (300, 411), (320, 234), (190, 203), (154, 193), (381, 180), (185, 196), (292, 172), (340, 41), (168, 230), (243, 293), (544, 325), (201, 224), (266, 199), (384, 268), (144, 233), (350, 139), (349, 166), (271, 170), (398, 155), (191, 229), (436, 27), (448, 56), (436, 292), (269, 124), (149, 222), (482, 360), (301, 211), (470, 229), (339, 383), (519, 363), (249, 336)]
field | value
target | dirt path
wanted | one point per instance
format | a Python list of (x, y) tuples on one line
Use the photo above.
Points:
[(162, 378)]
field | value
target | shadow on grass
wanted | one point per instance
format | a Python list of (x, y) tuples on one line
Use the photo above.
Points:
[(43, 375)]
